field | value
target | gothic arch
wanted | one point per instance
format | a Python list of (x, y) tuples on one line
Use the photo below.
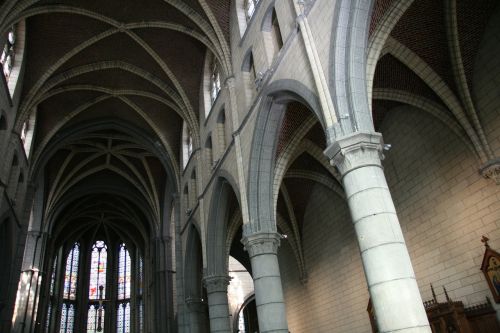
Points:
[(262, 156), (222, 202)]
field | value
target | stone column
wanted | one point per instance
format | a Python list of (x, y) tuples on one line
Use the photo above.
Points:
[(389, 273), (263, 249), (218, 307), (197, 315)]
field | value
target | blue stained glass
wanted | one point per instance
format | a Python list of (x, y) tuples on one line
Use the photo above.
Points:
[(71, 274), (141, 274), (98, 267), (124, 270), (64, 315), (47, 320), (141, 316), (53, 277)]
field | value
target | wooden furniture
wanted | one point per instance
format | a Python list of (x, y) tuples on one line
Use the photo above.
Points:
[(454, 317)]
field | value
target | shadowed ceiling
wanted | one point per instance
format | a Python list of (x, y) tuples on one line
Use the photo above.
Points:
[(137, 63)]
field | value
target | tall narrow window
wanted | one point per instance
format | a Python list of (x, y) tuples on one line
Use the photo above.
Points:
[(8, 53), (98, 270), (95, 318), (52, 300), (215, 85), (97, 287), (124, 282), (69, 293), (140, 303), (124, 267)]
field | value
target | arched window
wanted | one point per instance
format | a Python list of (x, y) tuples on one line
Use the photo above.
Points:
[(250, 6), (52, 293), (9, 53), (215, 84), (140, 302), (70, 290), (97, 286), (12, 53), (124, 280), (114, 298), (187, 145)]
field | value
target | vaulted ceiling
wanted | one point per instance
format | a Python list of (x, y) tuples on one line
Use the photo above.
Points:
[(121, 63)]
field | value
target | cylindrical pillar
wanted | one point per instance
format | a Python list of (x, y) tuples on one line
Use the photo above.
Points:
[(197, 315), (263, 249), (218, 308), (391, 281)]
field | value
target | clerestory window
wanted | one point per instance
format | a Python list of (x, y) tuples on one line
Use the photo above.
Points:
[(250, 6), (215, 85), (8, 53)]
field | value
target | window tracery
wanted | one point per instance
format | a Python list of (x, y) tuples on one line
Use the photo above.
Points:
[(114, 299), (98, 266), (70, 290), (124, 281)]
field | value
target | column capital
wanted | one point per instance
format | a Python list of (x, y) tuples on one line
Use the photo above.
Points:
[(355, 151), (261, 243), (491, 170), (216, 283)]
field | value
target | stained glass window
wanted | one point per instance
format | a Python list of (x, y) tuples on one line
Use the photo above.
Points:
[(71, 275), (98, 265), (141, 316), (140, 274), (53, 277), (95, 319), (123, 318), (67, 318), (124, 271), (8, 53), (47, 320)]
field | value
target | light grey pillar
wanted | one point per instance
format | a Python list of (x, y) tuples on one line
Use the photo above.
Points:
[(389, 273), (218, 308), (198, 322), (263, 249)]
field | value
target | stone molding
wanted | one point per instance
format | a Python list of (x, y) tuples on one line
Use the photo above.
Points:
[(261, 243), (491, 170), (196, 304), (356, 150), (216, 283)]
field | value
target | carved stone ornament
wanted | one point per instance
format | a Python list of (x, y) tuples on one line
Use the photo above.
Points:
[(491, 170), (261, 243), (491, 269), (216, 283), (355, 151)]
